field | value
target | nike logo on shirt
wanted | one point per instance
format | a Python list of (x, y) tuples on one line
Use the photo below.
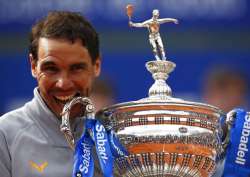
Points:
[(39, 168)]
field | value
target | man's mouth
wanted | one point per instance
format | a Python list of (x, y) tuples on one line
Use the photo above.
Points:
[(65, 99)]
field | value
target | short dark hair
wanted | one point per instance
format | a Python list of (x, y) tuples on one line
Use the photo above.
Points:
[(65, 25)]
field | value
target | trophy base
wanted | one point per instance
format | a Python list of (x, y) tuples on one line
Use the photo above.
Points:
[(165, 165)]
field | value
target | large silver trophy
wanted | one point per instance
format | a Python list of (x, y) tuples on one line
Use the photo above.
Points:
[(165, 136)]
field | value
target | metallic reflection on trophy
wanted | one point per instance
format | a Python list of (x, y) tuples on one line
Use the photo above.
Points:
[(165, 136)]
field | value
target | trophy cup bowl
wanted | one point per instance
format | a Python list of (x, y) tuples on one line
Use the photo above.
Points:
[(166, 136)]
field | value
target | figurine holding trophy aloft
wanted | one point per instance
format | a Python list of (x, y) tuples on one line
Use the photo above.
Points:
[(160, 136)]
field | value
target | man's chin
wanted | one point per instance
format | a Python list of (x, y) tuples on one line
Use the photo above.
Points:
[(57, 109)]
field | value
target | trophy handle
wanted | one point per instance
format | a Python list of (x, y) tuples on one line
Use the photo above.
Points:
[(230, 120), (65, 125)]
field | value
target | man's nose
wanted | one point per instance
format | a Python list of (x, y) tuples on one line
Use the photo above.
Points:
[(64, 82)]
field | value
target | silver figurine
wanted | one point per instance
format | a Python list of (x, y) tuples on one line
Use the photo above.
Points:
[(153, 26)]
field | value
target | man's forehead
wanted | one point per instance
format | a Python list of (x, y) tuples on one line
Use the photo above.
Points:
[(45, 42), (52, 61), (57, 46)]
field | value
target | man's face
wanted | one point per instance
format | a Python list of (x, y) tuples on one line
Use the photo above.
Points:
[(63, 70)]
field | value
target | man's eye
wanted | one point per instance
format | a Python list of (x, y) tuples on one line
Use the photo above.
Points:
[(78, 68), (51, 69)]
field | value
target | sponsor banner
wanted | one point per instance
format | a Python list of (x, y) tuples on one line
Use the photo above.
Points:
[(83, 159), (103, 149), (238, 156), (116, 147), (107, 147)]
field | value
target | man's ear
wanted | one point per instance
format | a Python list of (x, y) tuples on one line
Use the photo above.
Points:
[(97, 67), (33, 65)]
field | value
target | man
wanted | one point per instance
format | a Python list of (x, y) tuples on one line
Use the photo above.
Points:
[(103, 93), (65, 59), (153, 26), (226, 88)]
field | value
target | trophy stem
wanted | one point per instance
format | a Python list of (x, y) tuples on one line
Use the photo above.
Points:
[(160, 70)]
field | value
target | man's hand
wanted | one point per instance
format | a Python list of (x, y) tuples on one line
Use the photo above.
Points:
[(176, 21)]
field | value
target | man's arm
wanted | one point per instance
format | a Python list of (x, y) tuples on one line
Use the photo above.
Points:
[(167, 20), (5, 162)]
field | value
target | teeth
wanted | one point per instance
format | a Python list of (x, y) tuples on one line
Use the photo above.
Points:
[(64, 98)]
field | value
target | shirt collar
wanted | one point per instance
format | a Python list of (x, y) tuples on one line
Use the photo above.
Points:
[(49, 123)]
